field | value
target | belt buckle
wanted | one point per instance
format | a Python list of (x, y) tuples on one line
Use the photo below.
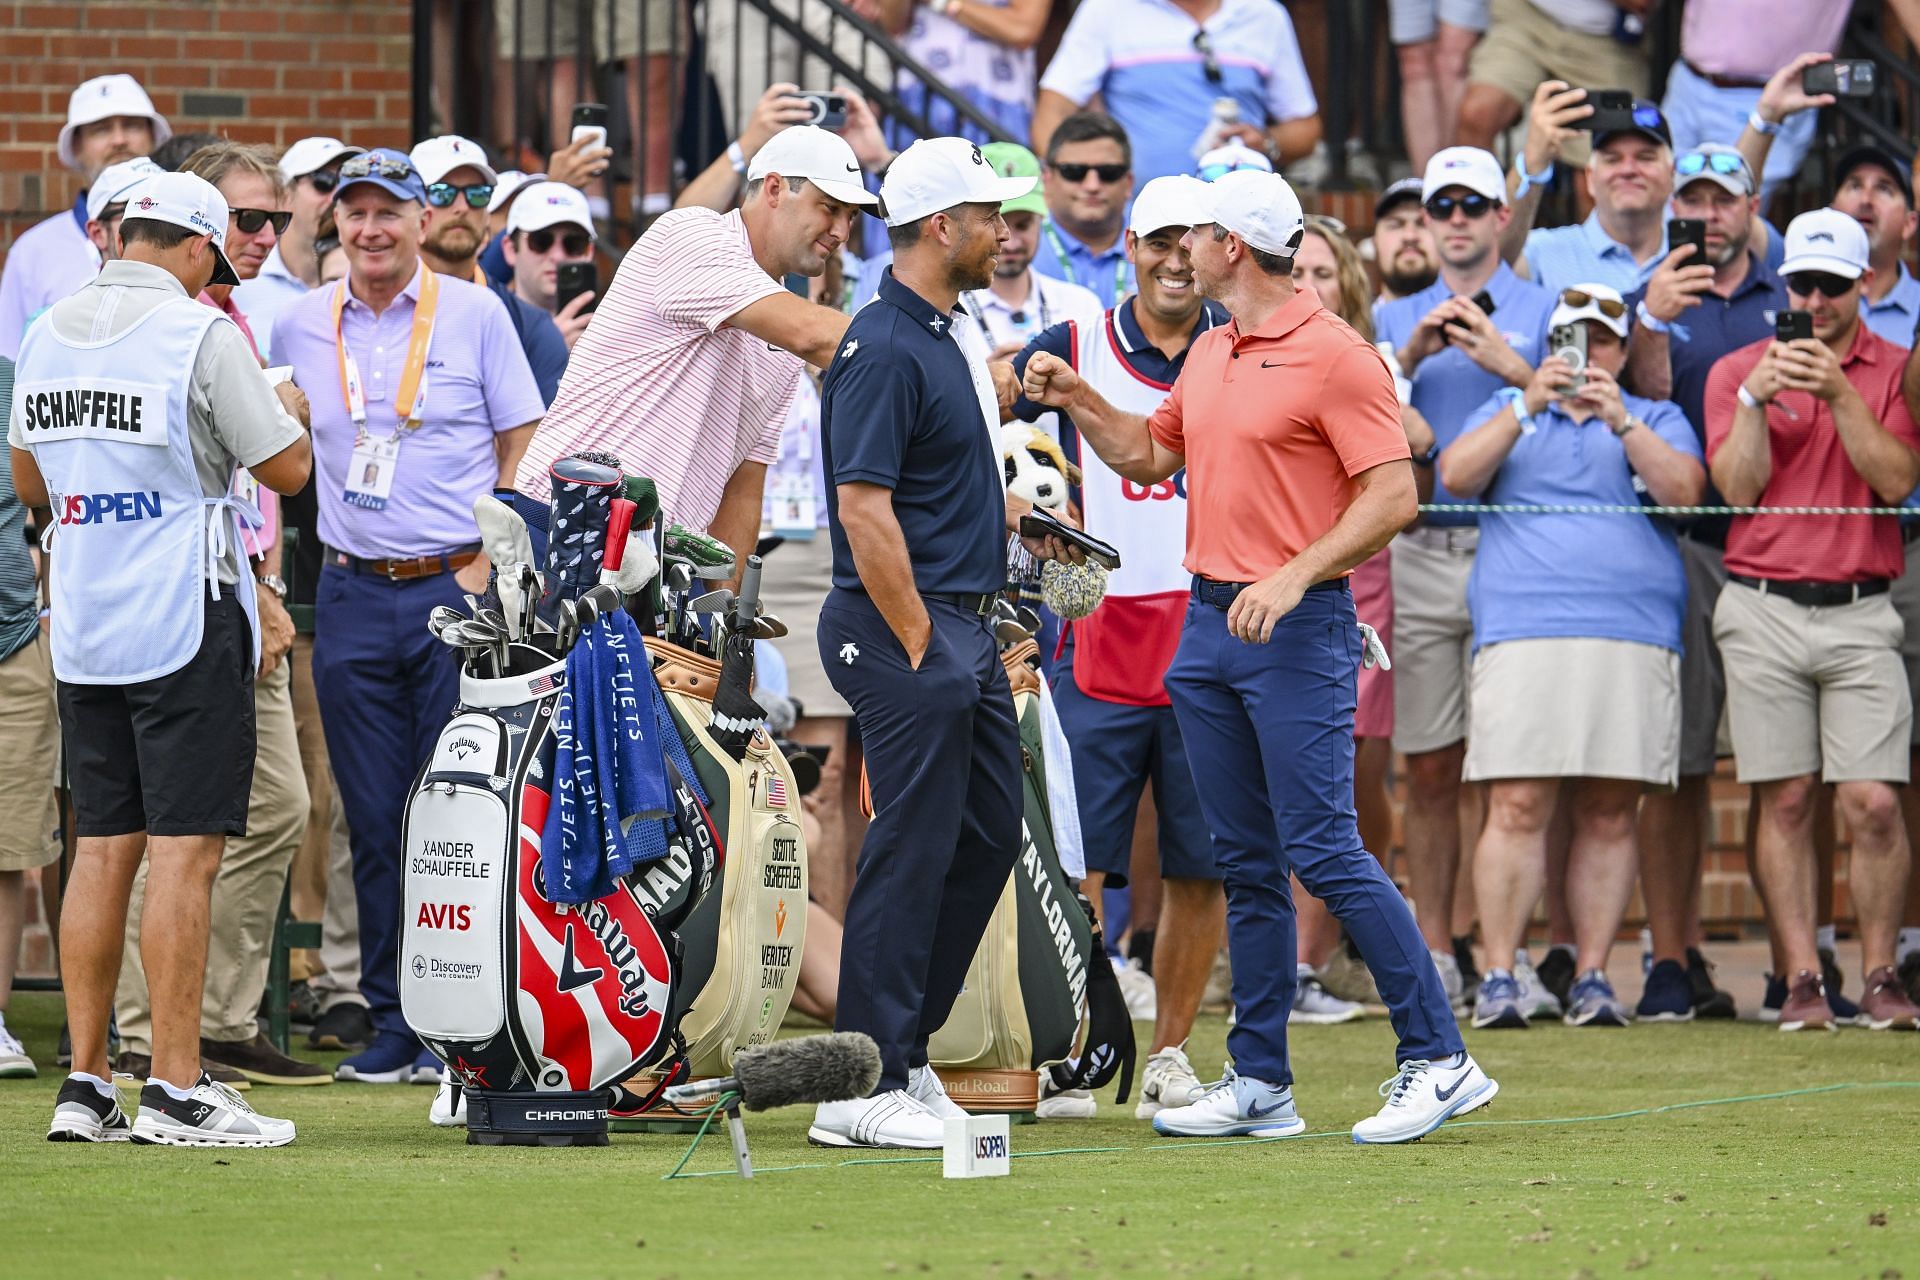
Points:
[(393, 570)]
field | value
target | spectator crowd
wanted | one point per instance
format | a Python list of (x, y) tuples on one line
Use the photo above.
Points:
[(1570, 663)]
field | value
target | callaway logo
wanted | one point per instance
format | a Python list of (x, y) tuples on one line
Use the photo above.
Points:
[(572, 976), (1257, 1112), (1450, 1090), (464, 747)]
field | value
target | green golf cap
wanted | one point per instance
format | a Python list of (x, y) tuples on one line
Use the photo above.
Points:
[(1011, 160)]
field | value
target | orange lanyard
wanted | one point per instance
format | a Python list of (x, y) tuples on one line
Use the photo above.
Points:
[(411, 401)]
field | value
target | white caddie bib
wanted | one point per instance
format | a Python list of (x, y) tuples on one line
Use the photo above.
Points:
[(138, 541)]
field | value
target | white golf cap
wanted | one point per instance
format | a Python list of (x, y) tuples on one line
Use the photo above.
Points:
[(510, 184), (1826, 240), (190, 201), (1175, 200), (1258, 207), (437, 157), (545, 204), (311, 154), (935, 174), (102, 98), (115, 181), (1234, 155), (819, 155), (1470, 167), (1565, 312)]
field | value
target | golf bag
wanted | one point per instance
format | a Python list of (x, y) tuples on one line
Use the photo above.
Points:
[(1039, 990), (536, 1007)]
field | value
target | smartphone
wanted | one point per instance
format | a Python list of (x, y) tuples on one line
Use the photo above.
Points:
[(1611, 108), (1791, 326), (572, 280), (590, 120), (1482, 300), (829, 109), (1843, 77), (1691, 231), (1569, 342), (1040, 524)]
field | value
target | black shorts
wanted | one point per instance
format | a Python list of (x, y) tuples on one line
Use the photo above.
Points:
[(172, 756)]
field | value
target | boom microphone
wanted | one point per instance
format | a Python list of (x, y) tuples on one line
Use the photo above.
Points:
[(829, 1068)]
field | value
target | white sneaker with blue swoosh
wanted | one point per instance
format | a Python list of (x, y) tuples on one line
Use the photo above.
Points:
[(1237, 1107), (1425, 1095)]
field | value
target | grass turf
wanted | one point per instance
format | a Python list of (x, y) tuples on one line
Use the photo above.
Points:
[(1816, 1184)]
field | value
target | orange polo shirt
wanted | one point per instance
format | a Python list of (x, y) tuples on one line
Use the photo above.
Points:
[(1282, 419)]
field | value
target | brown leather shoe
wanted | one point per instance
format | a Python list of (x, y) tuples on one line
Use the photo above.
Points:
[(1886, 1007), (1806, 1008), (260, 1062), (140, 1067)]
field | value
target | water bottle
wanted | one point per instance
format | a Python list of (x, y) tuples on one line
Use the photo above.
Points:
[(1224, 117)]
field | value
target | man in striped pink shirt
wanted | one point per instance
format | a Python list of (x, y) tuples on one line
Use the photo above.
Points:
[(692, 359)]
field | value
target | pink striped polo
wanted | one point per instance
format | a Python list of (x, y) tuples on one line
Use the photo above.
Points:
[(662, 380)]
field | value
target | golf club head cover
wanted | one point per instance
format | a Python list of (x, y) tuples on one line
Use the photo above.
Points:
[(645, 497), (1072, 590), (582, 500), (712, 559)]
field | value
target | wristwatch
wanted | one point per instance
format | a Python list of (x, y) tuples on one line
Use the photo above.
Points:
[(1628, 424), (1426, 459), (273, 583)]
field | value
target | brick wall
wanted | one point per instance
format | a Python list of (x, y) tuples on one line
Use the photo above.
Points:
[(255, 70)]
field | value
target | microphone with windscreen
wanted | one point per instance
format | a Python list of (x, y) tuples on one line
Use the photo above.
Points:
[(828, 1068)]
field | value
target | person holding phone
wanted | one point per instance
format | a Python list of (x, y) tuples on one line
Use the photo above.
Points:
[(1816, 689), (551, 227), (1576, 635)]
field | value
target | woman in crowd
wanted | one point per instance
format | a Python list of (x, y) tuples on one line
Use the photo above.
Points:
[(980, 49)]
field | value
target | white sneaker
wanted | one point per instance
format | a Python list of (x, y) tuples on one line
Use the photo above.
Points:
[(1167, 1081), (1423, 1096), (892, 1119), (14, 1062), (211, 1116), (82, 1113), (1313, 1003), (449, 1107), (1064, 1104), (1239, 1106), (1136, 985), (924, 1087), (1535, 1000), (1449, 968)]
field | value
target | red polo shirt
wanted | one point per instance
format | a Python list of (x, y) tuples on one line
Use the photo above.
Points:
[(1274, 425), (1811, 469)]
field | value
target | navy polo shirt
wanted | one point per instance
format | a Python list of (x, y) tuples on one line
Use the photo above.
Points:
[(1700, 337), (898, 409)]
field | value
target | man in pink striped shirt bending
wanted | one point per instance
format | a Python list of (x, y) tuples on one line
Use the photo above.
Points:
[(691, 361)]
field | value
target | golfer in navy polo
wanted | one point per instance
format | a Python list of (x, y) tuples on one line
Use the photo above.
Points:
[(909, 427)]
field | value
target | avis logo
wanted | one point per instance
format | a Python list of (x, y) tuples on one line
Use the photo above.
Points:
[(445, 915), (98, 508), (1164, 491)]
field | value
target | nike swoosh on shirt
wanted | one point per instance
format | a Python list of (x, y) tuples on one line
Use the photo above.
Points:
[(1273, 364), (1450, 1090)]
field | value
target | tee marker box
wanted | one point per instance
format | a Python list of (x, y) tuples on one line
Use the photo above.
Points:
[(976, 1147)]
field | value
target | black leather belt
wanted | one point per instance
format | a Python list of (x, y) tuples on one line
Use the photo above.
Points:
[(1221, 595), (1814, 595), (979, 606), (1719, 81)]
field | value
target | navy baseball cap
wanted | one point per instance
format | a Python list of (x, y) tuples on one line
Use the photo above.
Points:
[(1868, 153), (1645, 120), (385, 168), (1405, 191)]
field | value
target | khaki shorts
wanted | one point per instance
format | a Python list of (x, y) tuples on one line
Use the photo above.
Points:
[(1814, 690), (1432, 636), (1906, 603), (1575, 708), (1523, 46), (798, 577), (30, 746), (1703, 679), (665, 30)]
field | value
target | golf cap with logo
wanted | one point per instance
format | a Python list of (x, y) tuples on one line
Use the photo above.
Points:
[(437, 157), (1174, 200), (936, 174), (1221, 161), (508, 185), (1717, 163), (1565, 312), (1470, 167), (103, 98), (1258, 207), (818, 155), (1011, 160), (1645, 119), (385, 168), (190, 201), (1826, 240), (1405, 191), (310, 155), (1867, 153), (115, 181), (548, 204)]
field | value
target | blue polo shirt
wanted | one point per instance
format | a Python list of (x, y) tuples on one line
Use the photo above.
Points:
[(1894, 316), (1062, 257), (1583, 253), (898, 409), (1607, 577), (1447, 386)]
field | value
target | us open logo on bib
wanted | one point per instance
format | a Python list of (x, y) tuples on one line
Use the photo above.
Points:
[(92, 409)]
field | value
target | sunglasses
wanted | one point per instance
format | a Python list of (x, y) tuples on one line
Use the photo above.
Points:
[(324, 181), (1213, 171), (1077, 173), (1476, 207), (1210, 64), (248, 221), (1724, 163), (1825, 283), (1611, 308), (479, 194), (373, 166), (574, 243)]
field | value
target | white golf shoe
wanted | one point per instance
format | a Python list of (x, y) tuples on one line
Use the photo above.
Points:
[(449, 1109), (1064, 1104), (891, 1119), (924, 1086), (1136, 987), (1238, 1107), (1424, 1095), (1167, 1081)]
